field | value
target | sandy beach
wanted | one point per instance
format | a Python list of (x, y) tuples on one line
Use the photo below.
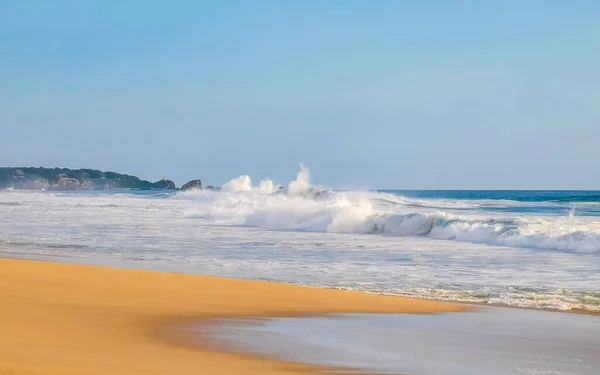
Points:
[(74, 319)]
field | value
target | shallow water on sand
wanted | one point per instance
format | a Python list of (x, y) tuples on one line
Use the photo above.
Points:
[(494, 341)]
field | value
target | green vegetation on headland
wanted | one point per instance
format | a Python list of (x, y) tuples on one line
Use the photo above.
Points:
[(80, 179)]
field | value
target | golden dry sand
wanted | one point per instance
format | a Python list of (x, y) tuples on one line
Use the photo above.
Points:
[(71, 319)]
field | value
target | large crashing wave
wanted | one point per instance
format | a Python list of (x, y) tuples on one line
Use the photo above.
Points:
[(300, 206)]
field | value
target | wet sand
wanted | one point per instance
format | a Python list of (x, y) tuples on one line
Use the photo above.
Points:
[(489, 341), (74, 319)]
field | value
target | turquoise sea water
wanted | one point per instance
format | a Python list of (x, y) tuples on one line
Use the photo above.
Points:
[(550, 202)]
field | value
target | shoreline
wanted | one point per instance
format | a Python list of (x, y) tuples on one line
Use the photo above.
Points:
[(489, 341), (178, 333), (61, 318), (469, 304)]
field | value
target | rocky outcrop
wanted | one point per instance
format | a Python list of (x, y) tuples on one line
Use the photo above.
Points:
[(192, 185), (164, 185), (68, 183), (32, 178)]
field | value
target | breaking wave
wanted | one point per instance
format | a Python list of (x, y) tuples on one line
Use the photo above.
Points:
[(300, 206)]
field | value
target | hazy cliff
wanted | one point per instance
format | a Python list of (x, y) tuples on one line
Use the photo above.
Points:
[(74, 179)]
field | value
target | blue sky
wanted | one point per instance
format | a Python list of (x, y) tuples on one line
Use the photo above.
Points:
[(368, 94)]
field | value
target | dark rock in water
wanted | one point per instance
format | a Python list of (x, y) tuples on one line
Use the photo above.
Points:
[(164, 185), (192, 185)]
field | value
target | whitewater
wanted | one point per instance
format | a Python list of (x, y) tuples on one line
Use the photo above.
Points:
[(529, 249)]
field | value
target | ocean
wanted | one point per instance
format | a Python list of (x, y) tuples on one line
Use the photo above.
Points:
[(538, 249)]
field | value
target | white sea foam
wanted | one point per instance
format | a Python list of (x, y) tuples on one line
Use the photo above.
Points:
[(302, 207), (244, 184), (301, 185)]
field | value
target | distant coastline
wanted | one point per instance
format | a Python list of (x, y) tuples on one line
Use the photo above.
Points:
[(40, 178)]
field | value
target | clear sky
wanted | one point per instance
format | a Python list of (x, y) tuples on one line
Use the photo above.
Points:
[(368, 94)]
